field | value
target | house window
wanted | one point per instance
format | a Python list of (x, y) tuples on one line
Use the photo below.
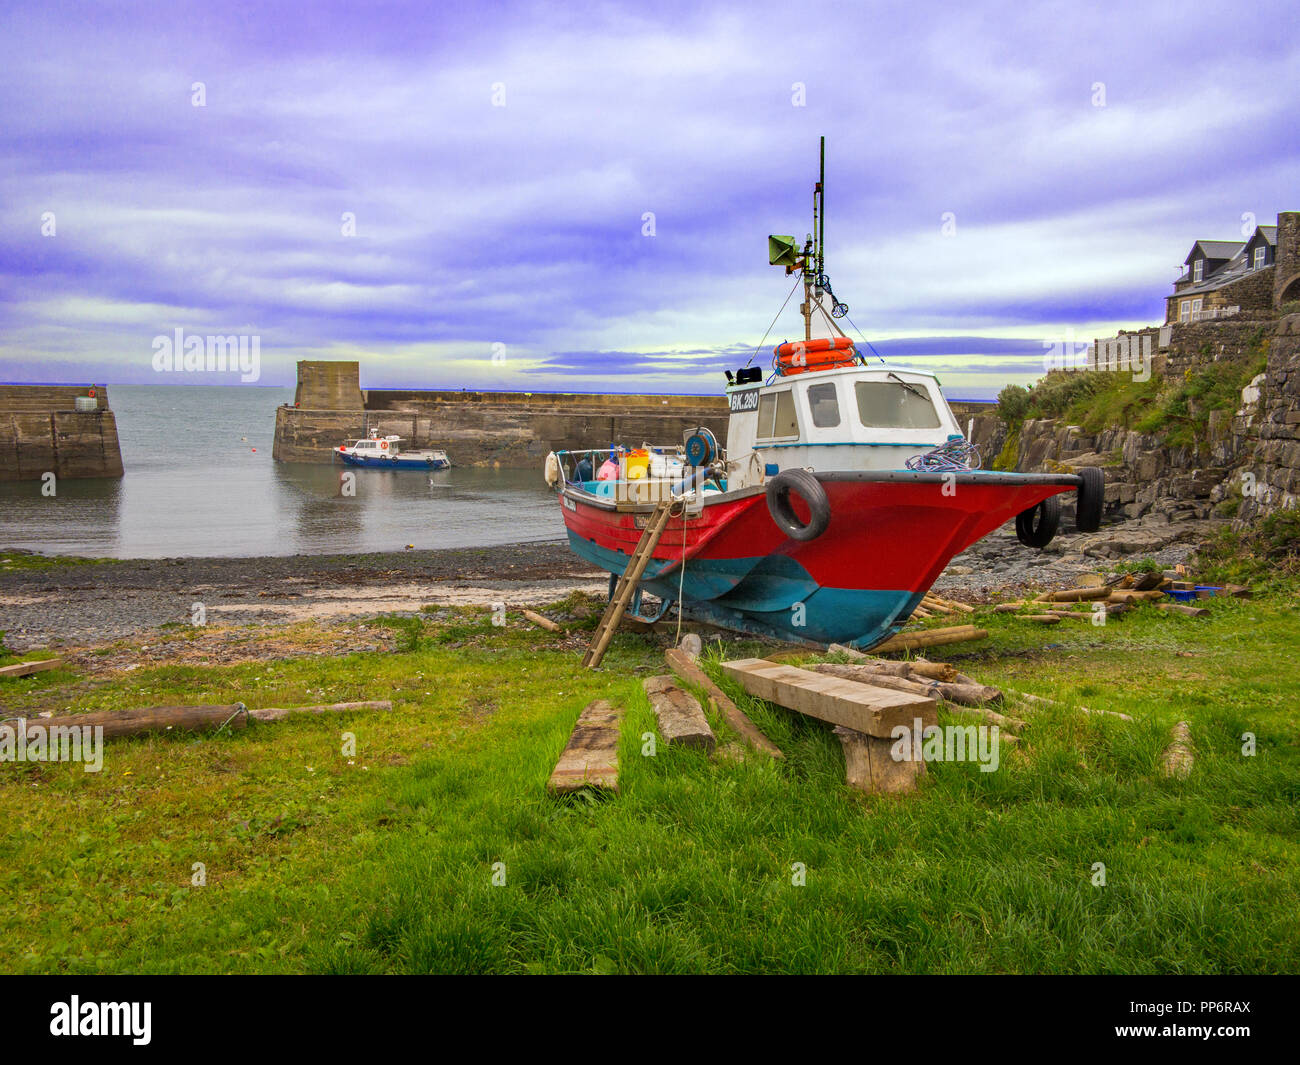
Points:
[(895, 405), (1198, 270), (824, 404), (1260, 252), (776, 418), (1185, 311)]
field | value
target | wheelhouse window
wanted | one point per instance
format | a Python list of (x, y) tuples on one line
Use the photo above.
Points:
[(825, 405), (895, 405), (776, 417), (1198, 270), (1259, 257)]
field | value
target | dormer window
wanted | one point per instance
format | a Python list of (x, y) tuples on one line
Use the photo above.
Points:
[(1198, 270), (1260, 252)]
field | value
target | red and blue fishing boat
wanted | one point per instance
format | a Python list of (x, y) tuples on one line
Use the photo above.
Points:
[(844, 489)]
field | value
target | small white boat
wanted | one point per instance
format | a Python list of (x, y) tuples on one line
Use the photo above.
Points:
[(385, 453)]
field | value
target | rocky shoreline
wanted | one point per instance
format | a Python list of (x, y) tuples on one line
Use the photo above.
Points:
[(81, 605)]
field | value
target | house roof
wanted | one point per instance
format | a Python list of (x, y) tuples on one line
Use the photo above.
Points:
[(1234, 270), (1269, 233), (1215, 249)]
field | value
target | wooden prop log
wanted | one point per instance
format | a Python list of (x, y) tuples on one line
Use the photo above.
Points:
[(1040, 619), (965, 694), (279, 713), (590, 758), (869, 764), (118, 723), (909, 667), (1180, 608), (931, 638), (1129, 595), (1074, 615), (681, 718), (23, 669), (990, 717), (1078, 595), (1178, 758), (864, 708), (1038, 700), (545, 623), (681, 663), (951, 604)]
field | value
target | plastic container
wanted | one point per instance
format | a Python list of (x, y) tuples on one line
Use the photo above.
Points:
[(608, 471), (1182, 595), (86, 404), (638, 464)]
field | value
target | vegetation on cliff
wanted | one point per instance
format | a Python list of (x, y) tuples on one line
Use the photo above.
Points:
[(1175, 409)]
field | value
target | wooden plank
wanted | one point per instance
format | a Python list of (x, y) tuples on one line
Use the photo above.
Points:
[(23, 669), (154, 719), (861, 707), (279, 713), (869, 764), (681, 718), (590, 758), (681, 663)]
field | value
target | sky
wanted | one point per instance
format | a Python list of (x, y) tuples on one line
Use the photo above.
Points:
[(576, 197)]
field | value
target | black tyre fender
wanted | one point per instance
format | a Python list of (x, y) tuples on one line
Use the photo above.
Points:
[(1090, 496), (809, 489), (1036, 526)]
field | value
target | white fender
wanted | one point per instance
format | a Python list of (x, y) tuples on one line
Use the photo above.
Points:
[(551, 469)]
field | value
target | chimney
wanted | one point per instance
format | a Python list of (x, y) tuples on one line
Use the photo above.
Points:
[(1286, 269)]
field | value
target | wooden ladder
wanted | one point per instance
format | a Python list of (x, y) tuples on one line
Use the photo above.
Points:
[(627, 583)]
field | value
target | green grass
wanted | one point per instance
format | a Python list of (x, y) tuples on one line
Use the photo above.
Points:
[(12, 561), (384, 862)]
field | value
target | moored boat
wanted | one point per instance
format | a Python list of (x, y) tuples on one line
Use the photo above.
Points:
[(385, 452), (843, 492)]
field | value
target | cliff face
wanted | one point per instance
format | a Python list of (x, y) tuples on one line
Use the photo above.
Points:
[(1246, 466)]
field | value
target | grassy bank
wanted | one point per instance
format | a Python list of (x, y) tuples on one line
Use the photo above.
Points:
[(384, 861)]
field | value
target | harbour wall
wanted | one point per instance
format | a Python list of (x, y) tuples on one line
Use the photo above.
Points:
[(41, 432), (505, 429)]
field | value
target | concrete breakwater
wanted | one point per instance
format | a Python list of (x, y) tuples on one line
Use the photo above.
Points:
[(506, 429), (42, 431)]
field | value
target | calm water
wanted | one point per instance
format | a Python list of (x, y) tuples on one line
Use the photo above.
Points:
[(200, 481)]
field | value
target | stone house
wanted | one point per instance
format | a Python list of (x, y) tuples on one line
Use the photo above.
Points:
[(1224, 277)]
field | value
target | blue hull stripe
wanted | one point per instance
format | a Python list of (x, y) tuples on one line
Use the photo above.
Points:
[(773, 595)]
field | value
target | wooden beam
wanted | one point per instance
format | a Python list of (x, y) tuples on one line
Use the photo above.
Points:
[(23, 669), (681, 663), (873, 710), (869, 764), (1180, 608), (681, 719), (590, 758)]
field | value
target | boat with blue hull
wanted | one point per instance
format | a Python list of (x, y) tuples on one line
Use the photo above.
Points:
[(385, 453)]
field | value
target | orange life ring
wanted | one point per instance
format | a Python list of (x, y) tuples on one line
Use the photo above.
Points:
[(91, 393), (383, 445), (791, 347)]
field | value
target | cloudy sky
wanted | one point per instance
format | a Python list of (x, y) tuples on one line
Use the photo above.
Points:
[(584, 190)]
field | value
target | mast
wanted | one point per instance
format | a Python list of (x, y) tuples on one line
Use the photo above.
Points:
[(814, 249)]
